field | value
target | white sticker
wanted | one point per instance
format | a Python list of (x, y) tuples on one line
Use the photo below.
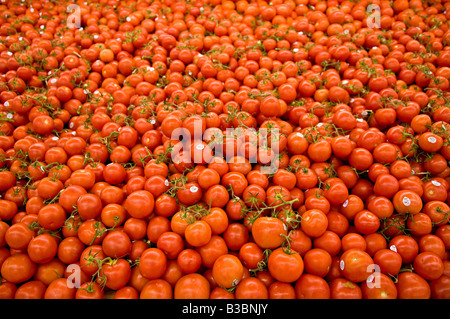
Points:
[(200, 146), (393, 248), (166, 182), (345, 204), (406, 201), (342, 265), (435, 183), (193, 189), (432, 139)]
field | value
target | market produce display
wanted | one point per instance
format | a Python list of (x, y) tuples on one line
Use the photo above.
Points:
[(207, 149)]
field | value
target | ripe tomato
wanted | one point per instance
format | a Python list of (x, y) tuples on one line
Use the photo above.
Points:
[(192, 286), (140, 204), (412, 286), (285, 266), (356, 265), (269, 232), (227, 271), (153, 263)]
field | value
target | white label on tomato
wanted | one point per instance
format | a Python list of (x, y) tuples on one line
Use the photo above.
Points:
[(193, 189), (435, 183), (393, 248), (406, 201), (342, 265), (432, 139), (345, 204)]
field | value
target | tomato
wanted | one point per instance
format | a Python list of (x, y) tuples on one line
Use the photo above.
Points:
[(17, 236), (251, 255), (405, 246), (356, 265), (31, 290), (269, 232), (192, 286), (317, 262), (90, 290), (389, 261), (209, 252), (407, 202), (42, 248), (412, 286), (314, 223), (439, 288), (227, 271), (189, 261), (251, 288), (115, 274), (140, 204), (70, 249), (341, 288), (281, 290), (310, 286), (18, 268), (153, 263), (156, 289), (285, 266), (381, 287), (116, 244), (59, 289)]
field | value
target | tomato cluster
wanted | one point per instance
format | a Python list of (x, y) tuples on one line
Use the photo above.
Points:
[(224, 149)]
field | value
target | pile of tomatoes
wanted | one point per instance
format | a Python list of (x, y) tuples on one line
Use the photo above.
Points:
[(313, 162)]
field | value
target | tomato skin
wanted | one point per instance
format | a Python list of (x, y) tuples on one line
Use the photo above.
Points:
[(412, 286), (439, 288), (156, 289), (428, 265), (192, 286), (42, 248), (227, 271), (31, 290), (312, 287), (251, 288), (356, 265), (116, 244), (344, 289), (389, 261), (381, 287), (405, 246), (268, 232), (198, 233), (116, 274), (58, 289), (140, 204), (314, 223), (153, 263), (285, 266), (18, 268)]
